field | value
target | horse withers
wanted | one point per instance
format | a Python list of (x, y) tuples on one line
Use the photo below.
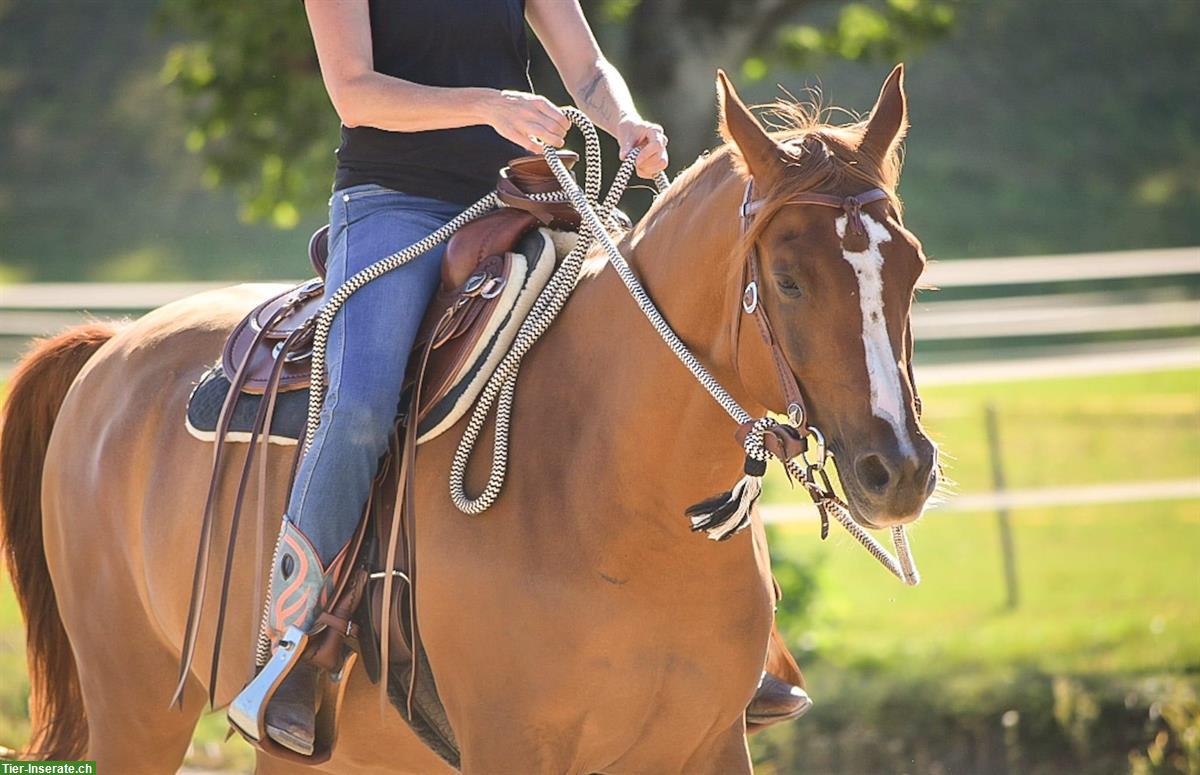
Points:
[(579, 625)]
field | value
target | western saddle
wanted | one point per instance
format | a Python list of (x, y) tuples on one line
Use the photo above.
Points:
[(492, 270)]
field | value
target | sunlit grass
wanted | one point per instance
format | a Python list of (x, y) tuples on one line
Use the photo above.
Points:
[(1100, 589)]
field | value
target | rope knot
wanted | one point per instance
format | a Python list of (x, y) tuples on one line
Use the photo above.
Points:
[(723, 516)]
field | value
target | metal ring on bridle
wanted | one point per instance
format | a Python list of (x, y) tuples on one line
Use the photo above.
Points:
[(822, 450), (750, 298)]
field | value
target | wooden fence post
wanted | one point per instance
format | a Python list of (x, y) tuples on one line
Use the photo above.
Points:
[(1007, 550)]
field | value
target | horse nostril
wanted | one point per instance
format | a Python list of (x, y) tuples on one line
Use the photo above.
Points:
[(873, 473)]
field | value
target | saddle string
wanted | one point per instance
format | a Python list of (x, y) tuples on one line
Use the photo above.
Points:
[(203, 548), (261, 430)]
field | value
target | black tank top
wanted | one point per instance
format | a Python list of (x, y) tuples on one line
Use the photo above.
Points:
[(440, 43)]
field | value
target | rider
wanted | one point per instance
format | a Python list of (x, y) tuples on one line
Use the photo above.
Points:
[(434, 98)]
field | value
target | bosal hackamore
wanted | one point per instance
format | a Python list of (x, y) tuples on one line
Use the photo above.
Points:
[(720, 517)]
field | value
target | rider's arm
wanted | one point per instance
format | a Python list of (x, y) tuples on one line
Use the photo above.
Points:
[(598, 89), (341, 30)]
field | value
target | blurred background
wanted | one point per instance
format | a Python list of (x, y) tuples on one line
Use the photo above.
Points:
[(152, 148)]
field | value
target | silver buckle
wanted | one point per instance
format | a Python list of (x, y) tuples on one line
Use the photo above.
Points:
[(492, 288), (474, 283), (750, 298)]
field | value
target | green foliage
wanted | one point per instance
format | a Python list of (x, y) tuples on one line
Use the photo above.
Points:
[(1175, 747), (253, 94), (95, 180), (951, 722), (798, 582), (880, 32)]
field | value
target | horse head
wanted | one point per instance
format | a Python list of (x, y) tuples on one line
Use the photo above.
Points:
[(836, 283)]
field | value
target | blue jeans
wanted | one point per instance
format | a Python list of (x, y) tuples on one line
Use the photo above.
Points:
[(369, 344)]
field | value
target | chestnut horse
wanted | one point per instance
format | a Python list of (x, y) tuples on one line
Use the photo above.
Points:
[(578, 626)]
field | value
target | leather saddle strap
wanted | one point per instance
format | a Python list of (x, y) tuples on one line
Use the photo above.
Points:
[(407, 494), (200, 573), (401, 512), (402, 516), (260, 430), (790, 387)]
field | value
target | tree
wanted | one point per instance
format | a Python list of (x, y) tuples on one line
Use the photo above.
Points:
[(260, 118)]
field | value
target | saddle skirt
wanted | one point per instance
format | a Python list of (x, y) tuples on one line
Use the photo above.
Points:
[(493, 270)]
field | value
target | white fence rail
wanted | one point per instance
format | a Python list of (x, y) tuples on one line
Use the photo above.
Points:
[(38, 309)]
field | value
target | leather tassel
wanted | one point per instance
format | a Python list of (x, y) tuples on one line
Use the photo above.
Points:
[(723, 516)]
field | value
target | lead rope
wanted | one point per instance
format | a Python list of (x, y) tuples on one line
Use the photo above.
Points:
[(502, 384), (500, 389)]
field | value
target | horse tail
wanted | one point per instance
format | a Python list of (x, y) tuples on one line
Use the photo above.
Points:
[(35, 394)]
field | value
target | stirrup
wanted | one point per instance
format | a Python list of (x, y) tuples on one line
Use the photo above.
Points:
[(300, 588), (248, 710)]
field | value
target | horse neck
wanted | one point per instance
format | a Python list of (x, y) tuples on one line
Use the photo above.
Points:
[(638, 394)]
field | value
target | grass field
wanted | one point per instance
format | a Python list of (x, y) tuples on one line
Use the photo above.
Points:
[(1113, 587), (1109, 595), (1102, 589)]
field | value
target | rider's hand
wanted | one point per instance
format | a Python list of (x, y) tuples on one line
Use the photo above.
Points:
[(633, 132), (517, 116)]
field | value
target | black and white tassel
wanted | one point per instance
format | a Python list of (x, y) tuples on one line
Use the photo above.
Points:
[(723, 516)]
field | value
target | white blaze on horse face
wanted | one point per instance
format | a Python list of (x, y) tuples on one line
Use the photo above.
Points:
[(883, 369)]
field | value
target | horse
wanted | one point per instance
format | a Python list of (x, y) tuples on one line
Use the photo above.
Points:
[(577, 626)]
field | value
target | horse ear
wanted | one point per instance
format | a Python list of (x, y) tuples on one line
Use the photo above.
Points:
[(889, 117), (756, 154)]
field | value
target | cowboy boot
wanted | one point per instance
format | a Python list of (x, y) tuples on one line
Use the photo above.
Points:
[(300, 589), (776, 700)]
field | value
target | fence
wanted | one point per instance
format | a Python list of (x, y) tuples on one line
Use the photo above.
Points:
[(38, 309)]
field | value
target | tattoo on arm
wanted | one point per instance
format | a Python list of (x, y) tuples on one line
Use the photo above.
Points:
[(605, 97), (587, 94)]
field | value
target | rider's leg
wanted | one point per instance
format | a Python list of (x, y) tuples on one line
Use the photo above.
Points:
[(368, 348)]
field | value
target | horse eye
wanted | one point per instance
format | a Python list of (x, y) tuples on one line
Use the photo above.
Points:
[(788, 285)]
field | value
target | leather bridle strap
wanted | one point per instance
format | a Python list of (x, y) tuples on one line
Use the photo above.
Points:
[(854, 237)]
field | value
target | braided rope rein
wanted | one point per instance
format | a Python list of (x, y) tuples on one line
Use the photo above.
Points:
[(500, 389)]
